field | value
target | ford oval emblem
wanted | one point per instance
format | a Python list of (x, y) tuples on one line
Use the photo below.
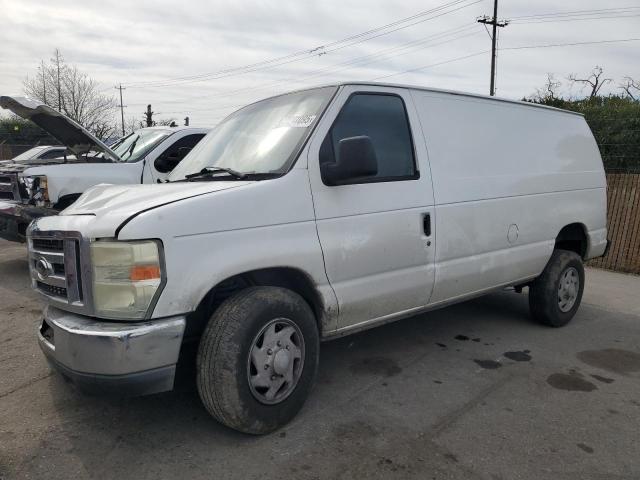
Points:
[(44, 269)]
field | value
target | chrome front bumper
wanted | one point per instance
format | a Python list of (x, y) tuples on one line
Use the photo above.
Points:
[(120, 358)]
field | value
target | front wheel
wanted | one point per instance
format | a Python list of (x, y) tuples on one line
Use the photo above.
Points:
[(554, 297), (258, 359)]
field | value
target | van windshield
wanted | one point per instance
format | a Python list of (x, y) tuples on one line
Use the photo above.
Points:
[(136, 145), (262, 138)]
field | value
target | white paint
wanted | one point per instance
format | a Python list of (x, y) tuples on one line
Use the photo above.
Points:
[(485, 165)]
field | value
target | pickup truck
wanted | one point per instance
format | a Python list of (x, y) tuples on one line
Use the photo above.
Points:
[(39, 155), (45, 186), (308, 216)]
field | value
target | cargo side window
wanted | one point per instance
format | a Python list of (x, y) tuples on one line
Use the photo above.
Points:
[(383, 119)]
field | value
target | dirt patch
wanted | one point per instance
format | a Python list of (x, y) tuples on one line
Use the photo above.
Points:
[(488, 364), (584, 447), (612, 359), (522, 356), (355, 430), (377, 366), (572, 382), (602, 379)]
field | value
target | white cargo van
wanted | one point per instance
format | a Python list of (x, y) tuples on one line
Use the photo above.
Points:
[(311, 215), (51, 182)]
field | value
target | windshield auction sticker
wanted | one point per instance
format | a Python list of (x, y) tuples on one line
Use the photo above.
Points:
[(297, 121)]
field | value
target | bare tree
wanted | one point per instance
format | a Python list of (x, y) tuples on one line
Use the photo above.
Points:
[(631, 87), (167, 122), (132, 124), (73, 93), (550, 89), (593, 81)]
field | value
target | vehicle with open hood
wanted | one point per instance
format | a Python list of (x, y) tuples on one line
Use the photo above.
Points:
[(309, 216), (33, 188)]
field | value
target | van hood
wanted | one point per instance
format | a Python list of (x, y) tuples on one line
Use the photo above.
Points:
[(61, 127), (113, 204)]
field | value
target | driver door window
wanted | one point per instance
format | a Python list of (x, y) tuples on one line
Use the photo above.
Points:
[(383, 119)]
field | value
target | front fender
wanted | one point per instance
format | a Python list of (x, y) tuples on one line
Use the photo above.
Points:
[(210, 238)]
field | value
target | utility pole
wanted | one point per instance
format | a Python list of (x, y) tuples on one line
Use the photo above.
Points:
[(121, 106), (149, 116), (44, 83), (58, 61), (495, 23)]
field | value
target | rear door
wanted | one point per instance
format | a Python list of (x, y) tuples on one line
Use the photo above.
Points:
[(377, 232)]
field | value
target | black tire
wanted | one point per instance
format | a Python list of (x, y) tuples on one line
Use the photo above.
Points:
[(223, 355), (543, 292)]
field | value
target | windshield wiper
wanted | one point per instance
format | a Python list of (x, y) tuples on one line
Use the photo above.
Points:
[(133, 145), (212, 171)]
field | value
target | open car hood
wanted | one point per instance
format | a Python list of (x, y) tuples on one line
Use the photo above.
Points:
[(61, 127)]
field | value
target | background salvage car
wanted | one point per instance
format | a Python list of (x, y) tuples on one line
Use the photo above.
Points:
[(31, 190)]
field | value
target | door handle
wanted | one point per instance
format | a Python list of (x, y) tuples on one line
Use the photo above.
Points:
[(426, 224)]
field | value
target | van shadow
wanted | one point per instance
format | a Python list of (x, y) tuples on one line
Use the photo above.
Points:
[(105, 433)]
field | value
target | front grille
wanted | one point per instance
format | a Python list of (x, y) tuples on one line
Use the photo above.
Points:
[(49, 245), (9, 189), (54, 263), (51, 290)]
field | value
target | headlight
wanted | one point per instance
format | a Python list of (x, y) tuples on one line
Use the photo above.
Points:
[(126, 277), (36, 188)]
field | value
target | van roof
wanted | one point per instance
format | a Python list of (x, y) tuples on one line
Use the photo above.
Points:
[(448, 92)]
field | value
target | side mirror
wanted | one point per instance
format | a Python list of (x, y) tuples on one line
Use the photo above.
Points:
[(356, 160), (166, 163)]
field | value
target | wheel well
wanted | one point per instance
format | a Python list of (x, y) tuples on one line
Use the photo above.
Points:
[(572, 237), (286, 277)]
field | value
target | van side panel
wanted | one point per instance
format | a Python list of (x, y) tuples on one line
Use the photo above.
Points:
[(507, 178)]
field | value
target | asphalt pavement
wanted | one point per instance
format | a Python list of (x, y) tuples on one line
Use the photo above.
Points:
[(472, 391)]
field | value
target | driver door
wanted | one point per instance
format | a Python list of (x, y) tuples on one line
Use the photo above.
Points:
[(376, 232)]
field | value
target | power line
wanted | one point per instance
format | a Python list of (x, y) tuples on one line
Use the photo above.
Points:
[(576, 12), (432, 65), (351, 40), (426, 42), (567, 19), (457, 59), (522, 47)]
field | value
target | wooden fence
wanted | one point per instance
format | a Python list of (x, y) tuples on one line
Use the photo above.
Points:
[(623, 224)]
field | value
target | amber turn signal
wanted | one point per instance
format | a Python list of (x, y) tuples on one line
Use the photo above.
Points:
[(144, 272)]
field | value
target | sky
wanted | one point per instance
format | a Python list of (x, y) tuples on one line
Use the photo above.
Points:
[(171, 54)]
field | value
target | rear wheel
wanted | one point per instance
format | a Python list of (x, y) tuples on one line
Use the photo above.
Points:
[(554, 297), (258, 359)]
